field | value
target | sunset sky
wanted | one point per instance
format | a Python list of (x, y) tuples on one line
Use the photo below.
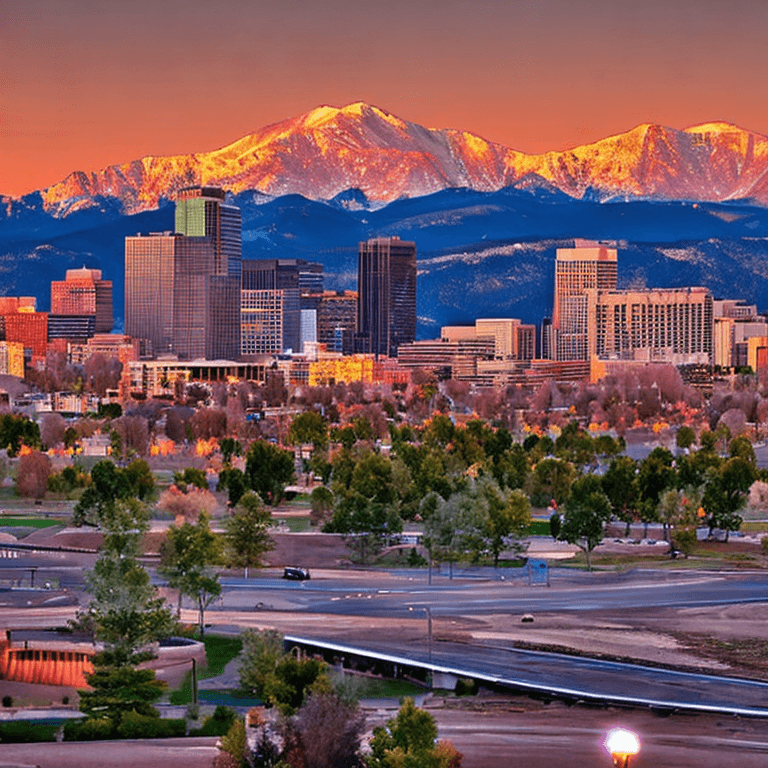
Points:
[(88, 83)]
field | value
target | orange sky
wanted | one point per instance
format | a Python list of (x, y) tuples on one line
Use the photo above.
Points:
[(87, 83)]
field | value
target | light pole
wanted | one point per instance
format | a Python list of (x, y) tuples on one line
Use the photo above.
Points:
[(622, 744)]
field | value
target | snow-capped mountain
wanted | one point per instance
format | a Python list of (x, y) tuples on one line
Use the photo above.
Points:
[(330, 150)]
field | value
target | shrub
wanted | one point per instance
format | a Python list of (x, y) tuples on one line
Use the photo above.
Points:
[(136, 726), (24, 732), (218, 724), (90, 729), (7, 701)]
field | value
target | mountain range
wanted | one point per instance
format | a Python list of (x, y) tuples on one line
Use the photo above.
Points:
[(330, 150), (685, 207)]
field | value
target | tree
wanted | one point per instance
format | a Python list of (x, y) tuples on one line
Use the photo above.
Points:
[(409, 740), (188, 556), (124, 609), (229, 447), (326, 733), (16, 431), (52, 428), (34, 470), (268, 469), (279, 679), (508, 523), (308, 427), (141, 479), (726, 493), (685, 437), (552, 479), (620, 486), (247, 533), (586, 512), (108, 485)]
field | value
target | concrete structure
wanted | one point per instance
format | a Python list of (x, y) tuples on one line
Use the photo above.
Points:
[(386, 303), (457, 359), (84, 292), (182, 290), (12, 358), (337, 320), (660, 326), (586, 267), (512, 339)]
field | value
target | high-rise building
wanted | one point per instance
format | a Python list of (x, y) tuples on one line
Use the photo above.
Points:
[(585, 268), (274, 291), (182, 290), (337, 320), (386, 301), (670, 325), (84, 293)]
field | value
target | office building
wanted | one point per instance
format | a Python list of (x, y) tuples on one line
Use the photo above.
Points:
[(386, 302), (274, 292), (512, 339), (182, 289), (671, 325), (585, 268), (337, 320), (84, 293)]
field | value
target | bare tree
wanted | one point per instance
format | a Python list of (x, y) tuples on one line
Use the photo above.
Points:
[(33, 473), (52, 427)]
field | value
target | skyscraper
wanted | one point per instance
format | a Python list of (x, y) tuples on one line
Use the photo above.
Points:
[(274, 292), (182, 290), (83, 292), (579, 272), (386, 302)]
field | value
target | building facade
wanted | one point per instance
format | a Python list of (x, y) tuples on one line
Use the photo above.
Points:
[(84, 293), (386, 305), (586, 267), (659, 326), (182, 289)]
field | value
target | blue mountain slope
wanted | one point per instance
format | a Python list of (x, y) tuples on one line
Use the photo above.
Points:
[(480, 254)]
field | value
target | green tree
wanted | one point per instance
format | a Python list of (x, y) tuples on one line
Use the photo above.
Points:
[(229, 447), (309, 427), (409, 740), (247, 533), (141, 479), (726, 493), (191, 476), (116, 691), (620, 486), (509, 520), (279, 679), (268, 469), (586, 512), (108, 485), (551, 481), (188, 557), (16, 431), (685, 437)]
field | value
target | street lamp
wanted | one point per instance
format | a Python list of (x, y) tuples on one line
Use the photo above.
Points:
[(622, 745)]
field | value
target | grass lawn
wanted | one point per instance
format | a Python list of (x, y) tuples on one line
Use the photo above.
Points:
[(219, 651), (28, 522)]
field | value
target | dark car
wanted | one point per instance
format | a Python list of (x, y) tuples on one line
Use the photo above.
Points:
[(293, 573)]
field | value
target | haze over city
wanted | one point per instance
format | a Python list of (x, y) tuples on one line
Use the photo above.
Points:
[(88, 84)]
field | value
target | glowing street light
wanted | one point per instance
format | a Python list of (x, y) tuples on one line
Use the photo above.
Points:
[(622, 745)]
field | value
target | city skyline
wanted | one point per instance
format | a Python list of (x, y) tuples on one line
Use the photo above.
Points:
[(528, 76)]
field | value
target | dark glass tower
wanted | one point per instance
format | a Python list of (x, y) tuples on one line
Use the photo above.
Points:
[(182, 290), (386, 300)]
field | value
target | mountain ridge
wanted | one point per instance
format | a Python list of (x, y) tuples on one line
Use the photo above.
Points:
[(330, 150)]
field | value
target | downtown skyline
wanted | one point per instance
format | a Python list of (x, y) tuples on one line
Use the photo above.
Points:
[(534, 77)]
